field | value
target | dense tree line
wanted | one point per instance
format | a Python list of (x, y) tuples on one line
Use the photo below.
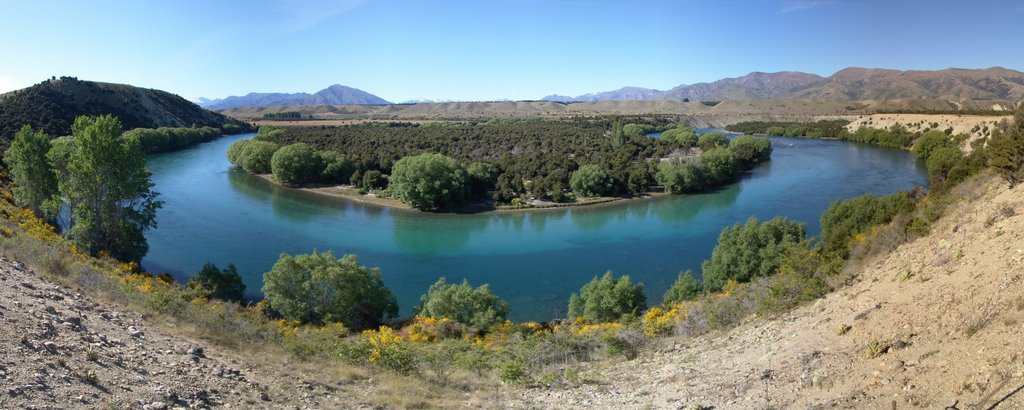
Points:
[(820, 129), (164, 139), (718, 164)]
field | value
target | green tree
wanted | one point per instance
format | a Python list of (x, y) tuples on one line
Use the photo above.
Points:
[(719, 166), (750, 150), (591, 180), (712, 140), (30, 169), (607, 300), (680, 176), (220, 284), (296, 164), (1006, 149), (374, 179), (686, 287), (929, 141), (108, 189), (482, 177), (477, 307), (776, 130), (749, 250), (430, 182), (253, 156), (318, 288), (338, 168), (684, 137)]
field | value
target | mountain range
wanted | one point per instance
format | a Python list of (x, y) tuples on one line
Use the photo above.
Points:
[(52, 106), (333, 95), (847, 84)]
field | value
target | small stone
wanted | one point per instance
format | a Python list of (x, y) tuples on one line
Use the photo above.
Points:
[(885, 381), (196, 351), (50, 346), (51, 310), (134, 332), (156, 405), (264, 396)]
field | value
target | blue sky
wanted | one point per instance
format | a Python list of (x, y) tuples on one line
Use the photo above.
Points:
[(487, 49)]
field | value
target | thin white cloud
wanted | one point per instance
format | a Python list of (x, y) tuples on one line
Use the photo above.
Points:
[(302, 15), (804, 5)]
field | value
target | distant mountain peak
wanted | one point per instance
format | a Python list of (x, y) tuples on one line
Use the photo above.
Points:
[(336, 94)]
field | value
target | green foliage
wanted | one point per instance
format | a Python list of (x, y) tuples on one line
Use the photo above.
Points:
[(252, 155), (750, 250), (535, 157), (268, 133), (930, 141), (711, 140), (337, 169), (317, 288), (430, 182), (844, 219), (482, 177), (220, 284), (686, 287), (590, 181), (607, 300), (164, 139), (940, 161), (831, 129), (1006, 149), (801, 278), (108, 189), (296, 164), (751, 151), (895, 136), (679, 176), (720, 166), (637, 130), (477, 307), (684, 137), (374, 179), (30, 169)]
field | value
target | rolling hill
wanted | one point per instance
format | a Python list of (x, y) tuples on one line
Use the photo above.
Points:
[(852, 83), (52, 105), (333, 95)]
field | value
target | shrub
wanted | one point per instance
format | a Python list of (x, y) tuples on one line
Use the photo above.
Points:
[(719, 166), (929, 141), (684, 137), (296, 164), (477, 307), (607, 300), (750, 151), (711, 140), (750, 250), (686, 287), (1006, 149), (430, 182), (374, 179), (680, 176), (318, 288), (845, 219), (220, 284), (776, 130), (590, 181)]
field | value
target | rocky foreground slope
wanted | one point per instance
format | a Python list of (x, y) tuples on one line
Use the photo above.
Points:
[(62, 349), (939, 323)]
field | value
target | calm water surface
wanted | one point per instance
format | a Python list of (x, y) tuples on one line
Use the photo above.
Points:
[(534, 260)]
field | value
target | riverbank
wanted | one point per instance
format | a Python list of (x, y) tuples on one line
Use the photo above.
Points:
[(348, 192)]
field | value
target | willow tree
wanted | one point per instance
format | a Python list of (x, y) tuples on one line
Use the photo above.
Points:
[(108, 189)]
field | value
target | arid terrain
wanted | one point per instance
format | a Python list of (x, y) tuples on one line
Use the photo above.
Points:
[(936, 323)]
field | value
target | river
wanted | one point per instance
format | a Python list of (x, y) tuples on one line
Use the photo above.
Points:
[(534, 260)]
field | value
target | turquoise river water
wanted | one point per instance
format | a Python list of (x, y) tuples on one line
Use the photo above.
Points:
[(534, 260)]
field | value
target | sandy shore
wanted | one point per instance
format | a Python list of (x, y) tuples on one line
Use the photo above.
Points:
[(352, 194)]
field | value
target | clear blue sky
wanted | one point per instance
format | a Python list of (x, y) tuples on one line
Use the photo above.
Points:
[(487, 49)]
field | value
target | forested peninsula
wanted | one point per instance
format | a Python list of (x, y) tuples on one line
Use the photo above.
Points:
[(502, 164)]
